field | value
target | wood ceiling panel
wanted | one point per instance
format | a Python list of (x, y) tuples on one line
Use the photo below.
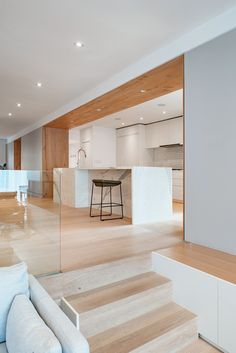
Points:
[(162, 80)]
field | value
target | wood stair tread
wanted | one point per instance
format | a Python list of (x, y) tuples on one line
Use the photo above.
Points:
[(199, 346), (135, 333), (107, 294)]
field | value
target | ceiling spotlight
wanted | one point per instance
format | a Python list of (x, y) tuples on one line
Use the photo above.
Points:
[(142, 91), (79, 44), (99, 109), (161, 105), (164, 112), (141, 118), (123, 124), (18, 105), (9, 114), (39, 84)]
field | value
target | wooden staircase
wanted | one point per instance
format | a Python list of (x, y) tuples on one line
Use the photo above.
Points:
[(137, 315)]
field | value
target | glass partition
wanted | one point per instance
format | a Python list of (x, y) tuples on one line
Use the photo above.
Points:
[(30, 220)]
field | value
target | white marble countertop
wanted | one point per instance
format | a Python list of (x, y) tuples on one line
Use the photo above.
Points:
[(119, 168)]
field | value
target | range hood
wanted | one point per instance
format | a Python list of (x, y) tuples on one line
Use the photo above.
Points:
[(172, 145)]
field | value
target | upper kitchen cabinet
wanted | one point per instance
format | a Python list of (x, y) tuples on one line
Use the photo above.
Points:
[(99, 145), (131, 149), (167, 132)]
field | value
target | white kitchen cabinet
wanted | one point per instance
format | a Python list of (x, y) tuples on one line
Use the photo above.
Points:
[(177, 185), (131, 149), (166, 132), (99, 144)]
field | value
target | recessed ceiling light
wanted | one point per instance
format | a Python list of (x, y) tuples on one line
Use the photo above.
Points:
[(123, 124), (79, 44), (161, 105), (141, 118), (117, 119), (9, 114), (39, 84), (18, 105), (99, 109), (164, 112), (142, 91)]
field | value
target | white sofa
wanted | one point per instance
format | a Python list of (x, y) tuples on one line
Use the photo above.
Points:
[(70, 338)]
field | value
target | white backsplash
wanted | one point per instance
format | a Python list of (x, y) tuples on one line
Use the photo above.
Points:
[(169, 157)]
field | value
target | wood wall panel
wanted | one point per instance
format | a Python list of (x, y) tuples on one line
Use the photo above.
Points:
[(55, 155), (17, 154), (162, 80)]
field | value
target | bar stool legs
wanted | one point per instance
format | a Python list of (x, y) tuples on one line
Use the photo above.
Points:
[(106, 184)]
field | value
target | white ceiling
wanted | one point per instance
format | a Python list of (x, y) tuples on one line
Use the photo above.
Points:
[(150, 111), (36, 44)]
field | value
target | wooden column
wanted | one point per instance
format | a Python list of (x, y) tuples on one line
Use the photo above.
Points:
[(55, 155), (17, 154)]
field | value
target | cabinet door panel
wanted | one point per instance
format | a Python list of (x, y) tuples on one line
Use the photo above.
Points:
[(227, 316), (164, 133), (194, 290)]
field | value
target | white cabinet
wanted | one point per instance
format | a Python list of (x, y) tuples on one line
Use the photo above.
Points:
[(131, 149), (227, 316), (194, 290), (166, 132), (99, 144), (177, 184), (211, 298)]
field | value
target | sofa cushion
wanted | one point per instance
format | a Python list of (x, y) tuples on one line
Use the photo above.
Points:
[(14, 280), (72, 341), (3, 348), (26, 332)]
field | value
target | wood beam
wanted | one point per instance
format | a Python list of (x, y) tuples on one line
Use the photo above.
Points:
[(162, 80)]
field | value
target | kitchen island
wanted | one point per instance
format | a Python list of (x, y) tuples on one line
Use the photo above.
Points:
[(147, 191)]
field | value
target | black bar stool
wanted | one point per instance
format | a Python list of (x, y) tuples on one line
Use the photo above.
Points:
[(106, 184)]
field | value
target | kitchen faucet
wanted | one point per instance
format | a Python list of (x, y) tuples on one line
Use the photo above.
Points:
[(81, 149)]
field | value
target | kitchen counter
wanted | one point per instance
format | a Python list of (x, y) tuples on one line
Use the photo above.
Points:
[(147, 191)]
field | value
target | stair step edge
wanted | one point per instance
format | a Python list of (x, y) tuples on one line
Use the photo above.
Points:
[(113, 314), (116, 291), (145, 329)]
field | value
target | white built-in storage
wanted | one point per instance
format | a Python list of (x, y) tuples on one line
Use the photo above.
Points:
[(131, 147), (99, 144), (211, 298), (167, 132), (177, 185)]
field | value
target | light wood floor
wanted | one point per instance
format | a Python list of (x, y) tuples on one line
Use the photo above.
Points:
[(31, 232), (88, 242)]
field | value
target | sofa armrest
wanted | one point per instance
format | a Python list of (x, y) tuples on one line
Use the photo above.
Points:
[(71, 339)]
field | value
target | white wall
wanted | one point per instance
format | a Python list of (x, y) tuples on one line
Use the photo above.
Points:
[(31, 150), (10, 155), (210, 138), (2, 151)]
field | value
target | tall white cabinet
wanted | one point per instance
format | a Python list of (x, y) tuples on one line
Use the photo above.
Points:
[(99, 144), (131, 147)]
